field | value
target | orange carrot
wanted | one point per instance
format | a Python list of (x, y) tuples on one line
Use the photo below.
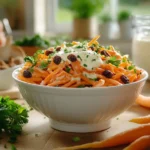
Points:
[(143, 101), (93, 40), (141, 143), (125, 137), (141, 120)]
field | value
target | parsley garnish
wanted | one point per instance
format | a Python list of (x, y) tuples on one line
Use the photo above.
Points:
[(44, 65), (76, 139), (29, 59), (67, 69), (95, 79), (93, 59), (113, 60), (131, 67), (12, 117), (69, 44), (124, 59), (135, 70), (87, 56), (79, 46), (79, 57), (65, 50), (85, 65)]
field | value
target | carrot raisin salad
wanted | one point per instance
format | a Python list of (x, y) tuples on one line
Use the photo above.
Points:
[(76, 64)]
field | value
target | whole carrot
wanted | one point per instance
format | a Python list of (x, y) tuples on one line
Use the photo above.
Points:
[(143, 101), (141, 143), (141, 120), (119, 139)]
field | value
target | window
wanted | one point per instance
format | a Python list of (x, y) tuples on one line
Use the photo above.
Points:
[(141, 7), (63, 14)]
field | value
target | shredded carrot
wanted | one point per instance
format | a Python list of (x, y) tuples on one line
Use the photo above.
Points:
[(143, 101), (141, 120), (93, 40), (50, 73), (126, 137), (142, 143)]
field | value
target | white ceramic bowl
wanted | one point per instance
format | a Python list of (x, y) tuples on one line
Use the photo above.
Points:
[(80, 109), (6, 80)]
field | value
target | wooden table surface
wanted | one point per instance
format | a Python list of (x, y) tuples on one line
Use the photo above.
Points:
[(37, 134)]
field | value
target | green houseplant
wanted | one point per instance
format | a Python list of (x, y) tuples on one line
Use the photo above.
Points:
[(105, 24), (125, 24), (83, 11)]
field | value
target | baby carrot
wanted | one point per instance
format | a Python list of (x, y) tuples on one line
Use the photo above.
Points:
[(141, 143), (141, 120), (143, 101), (125, 137)]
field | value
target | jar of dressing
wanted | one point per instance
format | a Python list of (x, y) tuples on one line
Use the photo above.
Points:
[(141, 43)]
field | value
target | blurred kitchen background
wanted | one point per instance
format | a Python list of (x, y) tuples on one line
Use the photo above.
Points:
[(59, 20)]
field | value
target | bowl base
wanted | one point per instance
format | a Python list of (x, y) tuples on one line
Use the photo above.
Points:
[(79, 128)]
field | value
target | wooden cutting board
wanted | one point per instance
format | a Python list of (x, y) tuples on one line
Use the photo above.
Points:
[(38, 135)]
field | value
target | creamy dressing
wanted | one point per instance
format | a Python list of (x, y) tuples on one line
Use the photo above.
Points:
[(90, 75), (88, 58)]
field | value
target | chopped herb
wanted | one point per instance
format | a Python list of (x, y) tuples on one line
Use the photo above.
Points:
[(85, 65), (95, 79), (124, 59), (13, 147), (93, 59), (76, 139), (67, 69), (117, 118), (79, 57), (69, 44), (87, 56), (97, 50), (135, 71), (36, 135), (44, 65), (29, 59), (65, 50), (113, 60), (131, 67), (13, 117), (79, 46)]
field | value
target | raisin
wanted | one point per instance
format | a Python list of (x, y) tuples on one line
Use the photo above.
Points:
[(57, 60), (124, 79), (58, 49), (72, 58), (48, 52), (108, 74), (92, 48), (27, 74), (104, 53)]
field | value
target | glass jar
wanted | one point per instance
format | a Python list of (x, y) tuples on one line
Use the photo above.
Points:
[(141, 43)]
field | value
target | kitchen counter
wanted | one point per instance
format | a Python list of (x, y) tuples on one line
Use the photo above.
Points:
[(37, 134)]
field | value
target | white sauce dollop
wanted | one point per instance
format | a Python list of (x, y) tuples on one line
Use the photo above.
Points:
[(88, 58)]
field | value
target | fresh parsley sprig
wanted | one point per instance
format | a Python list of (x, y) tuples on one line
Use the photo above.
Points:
[(12, 118), (113, 60)]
